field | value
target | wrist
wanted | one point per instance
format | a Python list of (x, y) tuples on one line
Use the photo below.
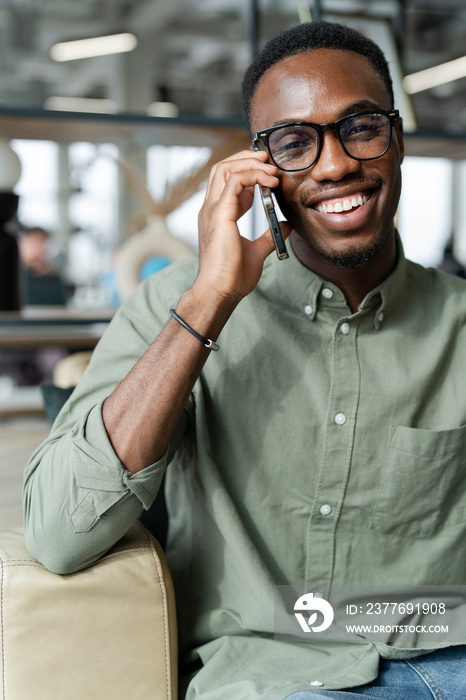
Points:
[(207, 342), (205, 310), (212, 301)]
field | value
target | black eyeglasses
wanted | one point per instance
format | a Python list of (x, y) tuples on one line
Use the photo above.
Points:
[(297, 146)]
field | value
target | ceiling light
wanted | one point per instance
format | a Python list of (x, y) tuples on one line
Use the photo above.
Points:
[(162, 109), (97, 46), (437, 75), (80, 104)]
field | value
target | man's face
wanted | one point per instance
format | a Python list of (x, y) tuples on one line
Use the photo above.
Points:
[(322, 86)]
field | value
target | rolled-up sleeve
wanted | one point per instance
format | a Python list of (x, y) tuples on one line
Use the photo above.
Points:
[(78, 498), (100, 480)]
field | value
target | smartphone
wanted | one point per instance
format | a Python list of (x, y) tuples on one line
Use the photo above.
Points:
[(272, 220)]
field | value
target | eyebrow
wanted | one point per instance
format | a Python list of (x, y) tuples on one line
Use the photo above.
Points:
[(359, 106)]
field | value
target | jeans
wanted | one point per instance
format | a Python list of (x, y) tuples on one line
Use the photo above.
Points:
[(440, 675)]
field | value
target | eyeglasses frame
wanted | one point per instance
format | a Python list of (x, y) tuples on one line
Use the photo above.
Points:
[(263, 135)]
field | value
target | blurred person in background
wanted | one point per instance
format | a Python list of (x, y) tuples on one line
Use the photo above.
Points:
[(41, 281), (41, 285)]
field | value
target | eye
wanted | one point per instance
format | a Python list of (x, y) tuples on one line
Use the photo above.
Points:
[(364, 128), (293, 142)]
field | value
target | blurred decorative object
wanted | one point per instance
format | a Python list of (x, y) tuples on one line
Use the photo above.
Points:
[(10, 172), (182, 188), (162, 109), (155, 238), (70, 369)]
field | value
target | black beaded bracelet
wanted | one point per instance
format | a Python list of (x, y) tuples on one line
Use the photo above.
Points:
[(205, 341)]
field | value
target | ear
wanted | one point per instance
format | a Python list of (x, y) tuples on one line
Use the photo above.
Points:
[(400, 137)]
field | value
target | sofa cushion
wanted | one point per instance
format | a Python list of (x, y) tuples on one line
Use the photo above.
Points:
[(108, 631)]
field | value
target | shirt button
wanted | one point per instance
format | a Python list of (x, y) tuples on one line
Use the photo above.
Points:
[(345, 328), (325, 509), (327, 293), (308, 309), (340, 419)]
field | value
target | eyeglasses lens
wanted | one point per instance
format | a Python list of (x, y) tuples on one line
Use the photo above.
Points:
[(366, 136), (294, 147), (363, 136)]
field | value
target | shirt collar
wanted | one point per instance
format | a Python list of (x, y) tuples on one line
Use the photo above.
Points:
[(291, 283), (386, 297)]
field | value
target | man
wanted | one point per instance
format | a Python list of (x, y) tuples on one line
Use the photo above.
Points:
[(322, 444), (41, 281)]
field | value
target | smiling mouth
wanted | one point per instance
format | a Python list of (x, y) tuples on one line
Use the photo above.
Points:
[(340, 205)]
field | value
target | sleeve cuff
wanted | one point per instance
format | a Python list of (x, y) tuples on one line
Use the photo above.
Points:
[(99, 475)]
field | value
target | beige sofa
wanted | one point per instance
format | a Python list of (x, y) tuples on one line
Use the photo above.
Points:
[(106, 632)]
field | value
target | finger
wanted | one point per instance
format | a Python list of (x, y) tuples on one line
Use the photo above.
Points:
[(235, 196), (238, 193), (222, 171), (259, 155), (245, 160)]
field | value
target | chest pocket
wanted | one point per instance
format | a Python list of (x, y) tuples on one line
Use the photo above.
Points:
[(423, 486)]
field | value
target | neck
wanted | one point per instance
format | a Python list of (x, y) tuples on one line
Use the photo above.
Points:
[(354, 282)]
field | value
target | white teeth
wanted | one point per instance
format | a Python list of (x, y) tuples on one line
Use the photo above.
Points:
[(344, 205)]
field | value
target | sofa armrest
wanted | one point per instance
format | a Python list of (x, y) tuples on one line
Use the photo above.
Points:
[(108, 631)]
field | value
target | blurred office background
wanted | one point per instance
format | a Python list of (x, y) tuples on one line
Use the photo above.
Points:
[(105, 145), (103, 128)]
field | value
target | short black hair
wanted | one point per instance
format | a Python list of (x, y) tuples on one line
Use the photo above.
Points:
[(308, 37)]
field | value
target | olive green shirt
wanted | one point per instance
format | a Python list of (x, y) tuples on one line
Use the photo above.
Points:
[(318, 447)]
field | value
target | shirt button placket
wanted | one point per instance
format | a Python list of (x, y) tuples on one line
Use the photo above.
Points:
[(339, 434)]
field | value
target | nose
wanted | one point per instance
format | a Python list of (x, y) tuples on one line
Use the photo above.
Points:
[(333, 163)]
